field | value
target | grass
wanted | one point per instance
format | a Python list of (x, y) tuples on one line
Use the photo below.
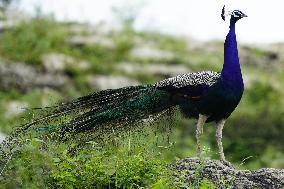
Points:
[(117, 163), (28, 41)]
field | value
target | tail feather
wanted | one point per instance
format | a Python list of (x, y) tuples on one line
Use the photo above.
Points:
[(84, 104), (98, 98), (136, 107), (115, 106)]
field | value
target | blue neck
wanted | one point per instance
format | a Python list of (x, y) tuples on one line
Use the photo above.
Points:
[(231, 72)]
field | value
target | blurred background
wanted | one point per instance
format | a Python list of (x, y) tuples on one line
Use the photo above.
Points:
[(53, 51)]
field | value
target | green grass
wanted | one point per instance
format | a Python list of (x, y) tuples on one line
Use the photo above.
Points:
[(120, 162), (30, 40)]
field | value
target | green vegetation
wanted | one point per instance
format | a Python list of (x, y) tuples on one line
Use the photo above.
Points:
[(118, 164), (28, 41), (253, 131)]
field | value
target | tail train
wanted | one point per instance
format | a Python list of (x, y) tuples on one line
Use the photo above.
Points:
[(114, 106)]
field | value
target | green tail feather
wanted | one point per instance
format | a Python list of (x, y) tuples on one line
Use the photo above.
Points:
[(115, 106), (135, 107)]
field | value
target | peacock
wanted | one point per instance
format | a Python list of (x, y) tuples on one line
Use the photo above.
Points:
[(207, 96)]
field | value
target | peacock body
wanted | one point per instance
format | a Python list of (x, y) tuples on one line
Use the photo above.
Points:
[(207, 96)]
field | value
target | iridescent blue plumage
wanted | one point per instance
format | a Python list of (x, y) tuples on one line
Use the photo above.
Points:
[(216, 95), (206, 96)]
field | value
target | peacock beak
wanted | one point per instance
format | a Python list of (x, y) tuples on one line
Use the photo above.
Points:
[(244, 15)]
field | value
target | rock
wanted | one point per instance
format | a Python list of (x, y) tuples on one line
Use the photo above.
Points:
[(6, 25), (17, 16), (13, 17), (164, 70), (80, 29), (56, 62), (212, 47), (49, 97), (249, 80), (15, 108), (101, 82), (279, 49), (108, 28), (23, 77), (219, 174), (151, 52), (258, 56), (2, 137), (101, 29), (91, 40)]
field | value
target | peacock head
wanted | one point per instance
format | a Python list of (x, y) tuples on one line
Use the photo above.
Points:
[(235, 15)]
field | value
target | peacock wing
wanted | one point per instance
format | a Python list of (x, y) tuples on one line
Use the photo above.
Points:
[(190, 85)]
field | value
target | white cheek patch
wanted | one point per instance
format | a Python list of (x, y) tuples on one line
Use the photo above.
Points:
[(235, 15)]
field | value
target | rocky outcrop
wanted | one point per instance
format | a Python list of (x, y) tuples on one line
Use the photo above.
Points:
[(258, 56), (57, 62), (15, 108), (164, 70), (91, 40), (24, 78), (151, 52), (227, 177), (101, 29), (12, 17), (101, 82), (97, 35), (2, 137)]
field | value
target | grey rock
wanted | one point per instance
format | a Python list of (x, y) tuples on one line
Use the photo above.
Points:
[(24, 77), (80, 29), (49, 97), (2, 137), (212, 47), (12, 17), (101, 29), (165, 70), (151, 52), (217, 172), (100, 34), (249, 80), (91, 40), (258, 56), (6, 25), (15, 108), (278, 48), (56, 62), (101, 82), (16, 15), (106, 29)]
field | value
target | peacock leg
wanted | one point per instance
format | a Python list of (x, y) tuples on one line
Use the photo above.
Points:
[(220, 126), (199, 130)]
